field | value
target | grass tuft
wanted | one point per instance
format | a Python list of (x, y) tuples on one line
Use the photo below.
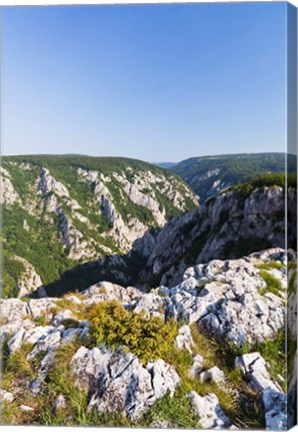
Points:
[(273, 285)]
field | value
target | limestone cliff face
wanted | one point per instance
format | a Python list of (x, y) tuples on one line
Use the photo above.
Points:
[(29, 280), (226, 226), (8, 195), (142, 188), (86, 213)]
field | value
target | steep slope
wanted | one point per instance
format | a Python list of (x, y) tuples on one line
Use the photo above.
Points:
[(207, 353), (240, 221), (59, 211), (246, 219), (209, 175)]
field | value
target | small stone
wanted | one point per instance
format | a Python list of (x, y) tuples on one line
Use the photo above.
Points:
[(26, 408), (197, 366), (214, 374), (60, 403), (184, 339), (63, 316), (6, 396)]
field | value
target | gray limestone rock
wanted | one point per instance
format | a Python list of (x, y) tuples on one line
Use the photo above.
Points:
[(209, 411), (119, 383)]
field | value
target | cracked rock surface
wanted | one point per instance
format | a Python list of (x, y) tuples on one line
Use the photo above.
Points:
[(118, 382)]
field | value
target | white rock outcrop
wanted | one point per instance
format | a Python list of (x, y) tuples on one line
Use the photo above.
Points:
[(8, 195), (226, 300), (184, 339), (119, 383), (29, 280), (197, 366)]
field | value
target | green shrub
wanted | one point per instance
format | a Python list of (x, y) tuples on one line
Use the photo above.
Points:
[(23, 180), (267, 180), (12, 270), (40, 247), (112, 325), (41, 320), (233, 169), (271, 265)]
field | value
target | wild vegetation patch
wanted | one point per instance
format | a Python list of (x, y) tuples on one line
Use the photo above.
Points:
[(274, 352), (112, 325), (176, 411), (271, 179), (242, 405), (273, 284)]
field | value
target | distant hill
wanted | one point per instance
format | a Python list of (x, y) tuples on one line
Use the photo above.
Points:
[(209, 175)]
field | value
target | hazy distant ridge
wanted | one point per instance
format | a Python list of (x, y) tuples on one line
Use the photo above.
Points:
[(209, 175)]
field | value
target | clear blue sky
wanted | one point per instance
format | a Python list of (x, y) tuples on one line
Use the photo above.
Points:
[(154, 82)]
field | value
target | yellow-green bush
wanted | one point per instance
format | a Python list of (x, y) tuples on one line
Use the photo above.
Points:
[(113, 325)]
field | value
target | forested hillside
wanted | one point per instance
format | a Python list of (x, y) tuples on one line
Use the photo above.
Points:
[(59, 211), (209, 175)]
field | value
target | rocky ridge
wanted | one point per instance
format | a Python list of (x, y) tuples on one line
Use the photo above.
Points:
[(227, 226), (233, 303)]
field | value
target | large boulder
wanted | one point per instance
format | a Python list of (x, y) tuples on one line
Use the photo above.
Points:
[(254, 368), (275, 404), (107, 291), (46, 338), (19, 317), (118, 382), (42, 307), (13, 310)]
